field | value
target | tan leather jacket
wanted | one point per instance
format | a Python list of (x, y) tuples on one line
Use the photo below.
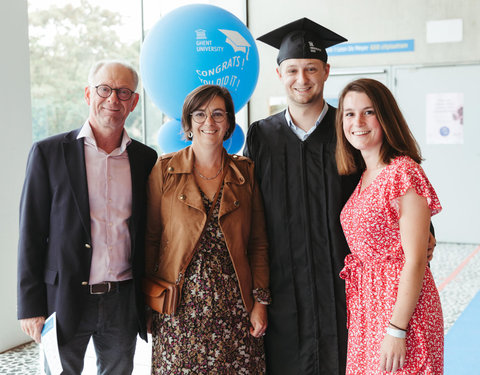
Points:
[(176, 217)]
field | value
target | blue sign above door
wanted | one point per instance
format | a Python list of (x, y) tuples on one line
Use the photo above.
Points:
[(388, 46)]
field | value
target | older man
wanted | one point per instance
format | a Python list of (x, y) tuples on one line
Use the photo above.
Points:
[(82, 220)]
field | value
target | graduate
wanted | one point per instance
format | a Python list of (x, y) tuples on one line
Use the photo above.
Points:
[(294, 155)]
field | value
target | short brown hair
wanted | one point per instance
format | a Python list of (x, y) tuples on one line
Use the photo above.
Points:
[(398, 140), (204, 95)]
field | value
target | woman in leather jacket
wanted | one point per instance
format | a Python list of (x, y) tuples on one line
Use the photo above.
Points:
[(206, 233)]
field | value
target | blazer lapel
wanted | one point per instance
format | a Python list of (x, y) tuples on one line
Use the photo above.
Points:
[(74, 154), (136, 174)]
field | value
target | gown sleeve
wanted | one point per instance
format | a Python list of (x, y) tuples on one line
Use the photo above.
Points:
[(409, 175)]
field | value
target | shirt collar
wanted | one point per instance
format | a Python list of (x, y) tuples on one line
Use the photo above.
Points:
[(300, 133), (87, 133)]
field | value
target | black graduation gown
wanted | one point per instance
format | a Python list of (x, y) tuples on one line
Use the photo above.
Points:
[(303, 196)]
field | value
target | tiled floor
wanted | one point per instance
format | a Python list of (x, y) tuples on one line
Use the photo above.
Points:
[(26, 360), (454, 267)]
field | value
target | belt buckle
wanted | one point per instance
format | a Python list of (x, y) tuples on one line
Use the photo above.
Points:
[(102, 290)]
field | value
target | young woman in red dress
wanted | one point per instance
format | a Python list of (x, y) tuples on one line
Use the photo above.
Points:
[(394, 314)]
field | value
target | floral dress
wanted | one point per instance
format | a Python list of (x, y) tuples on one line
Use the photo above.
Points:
[(370, 220), (209, 334)]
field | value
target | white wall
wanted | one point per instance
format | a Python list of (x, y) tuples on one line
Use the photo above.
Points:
[(16, 133)]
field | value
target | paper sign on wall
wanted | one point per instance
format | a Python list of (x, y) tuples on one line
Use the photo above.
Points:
[(444, 118)]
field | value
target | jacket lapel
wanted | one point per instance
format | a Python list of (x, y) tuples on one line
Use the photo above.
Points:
[(137, 175), (233, 176), (191, 193), (188, 191), (74, 155)]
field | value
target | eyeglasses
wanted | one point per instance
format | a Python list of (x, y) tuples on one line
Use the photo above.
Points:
[(122, 93), (201, 116)]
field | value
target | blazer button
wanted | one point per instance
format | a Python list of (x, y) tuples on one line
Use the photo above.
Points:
[(88, 246), (84, 282), (170, 169), (182, 197), (236, 203)]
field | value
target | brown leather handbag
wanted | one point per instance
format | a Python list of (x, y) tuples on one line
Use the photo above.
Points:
[(162, 296)]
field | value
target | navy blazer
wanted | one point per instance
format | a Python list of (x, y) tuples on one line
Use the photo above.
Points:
[(54, 252)]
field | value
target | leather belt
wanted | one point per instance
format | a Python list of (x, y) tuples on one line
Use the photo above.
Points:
[(106, 287)]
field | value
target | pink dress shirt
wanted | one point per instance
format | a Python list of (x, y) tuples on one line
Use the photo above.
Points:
[(110, 196)]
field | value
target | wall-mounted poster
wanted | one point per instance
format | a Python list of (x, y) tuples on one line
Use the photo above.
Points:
[(444, 118)]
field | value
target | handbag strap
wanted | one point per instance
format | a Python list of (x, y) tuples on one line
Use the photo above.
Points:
[(209, 215)]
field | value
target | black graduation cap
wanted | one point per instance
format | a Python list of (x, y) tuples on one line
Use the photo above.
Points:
[(302, 39)]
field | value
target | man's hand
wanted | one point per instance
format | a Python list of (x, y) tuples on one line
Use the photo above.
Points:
[(33, 327), (432, 242)]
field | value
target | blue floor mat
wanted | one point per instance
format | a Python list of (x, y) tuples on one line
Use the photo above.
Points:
[(462, 342)]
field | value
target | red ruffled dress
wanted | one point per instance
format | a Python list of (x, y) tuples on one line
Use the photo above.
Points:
[(370, 221)]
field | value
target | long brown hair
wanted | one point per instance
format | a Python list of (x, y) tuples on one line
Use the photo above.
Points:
[(204, 95), (398, 140)]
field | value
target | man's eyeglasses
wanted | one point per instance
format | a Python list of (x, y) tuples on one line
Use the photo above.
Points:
[(122, 93), (201, 116)]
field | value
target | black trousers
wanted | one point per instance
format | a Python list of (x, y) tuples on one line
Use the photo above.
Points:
[(111, 321)]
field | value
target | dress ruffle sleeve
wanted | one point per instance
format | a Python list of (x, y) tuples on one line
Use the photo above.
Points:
[(407, 174)]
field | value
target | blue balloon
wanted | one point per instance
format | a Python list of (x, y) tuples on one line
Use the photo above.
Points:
[(227, 144), (235, 143), (194, 45), (170, 137)]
